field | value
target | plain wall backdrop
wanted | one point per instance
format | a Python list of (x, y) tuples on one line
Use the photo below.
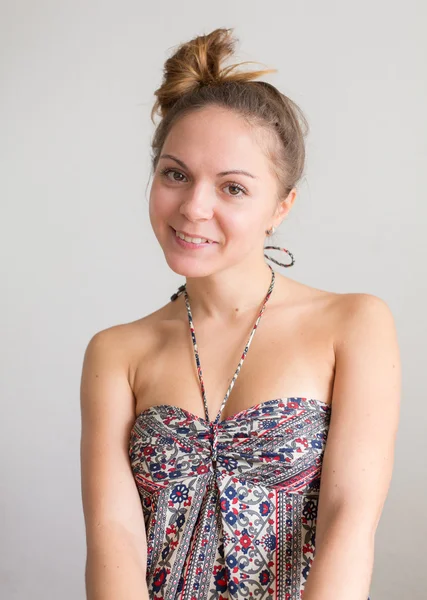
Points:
[(78, 253)]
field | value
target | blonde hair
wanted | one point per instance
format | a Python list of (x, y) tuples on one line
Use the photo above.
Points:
[(194, 77)]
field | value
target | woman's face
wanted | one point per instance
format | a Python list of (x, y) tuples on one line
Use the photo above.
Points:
[(194, 191)]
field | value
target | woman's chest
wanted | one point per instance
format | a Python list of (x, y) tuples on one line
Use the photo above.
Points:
[(285, 359)]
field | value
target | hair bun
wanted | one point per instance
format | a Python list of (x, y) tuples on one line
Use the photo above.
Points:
[(200, 62)]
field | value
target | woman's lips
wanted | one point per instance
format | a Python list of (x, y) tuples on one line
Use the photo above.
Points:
[(190, 245)]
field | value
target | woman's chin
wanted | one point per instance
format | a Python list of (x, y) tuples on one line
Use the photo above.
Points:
[(186, 267)]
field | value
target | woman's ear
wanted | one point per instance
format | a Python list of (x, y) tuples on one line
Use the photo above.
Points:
[(284, 206)]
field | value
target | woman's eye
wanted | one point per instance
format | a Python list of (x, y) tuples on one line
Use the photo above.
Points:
[(167, 172), (237, 187)]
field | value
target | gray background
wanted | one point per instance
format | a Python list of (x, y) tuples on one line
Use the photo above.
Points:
[(78, 253)]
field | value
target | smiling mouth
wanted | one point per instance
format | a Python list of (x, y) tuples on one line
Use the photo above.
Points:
[(192, 239)]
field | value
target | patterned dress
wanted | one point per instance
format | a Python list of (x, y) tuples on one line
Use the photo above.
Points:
[(230, 505)]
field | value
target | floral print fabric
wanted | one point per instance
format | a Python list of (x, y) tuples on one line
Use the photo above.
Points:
[(239, 523)]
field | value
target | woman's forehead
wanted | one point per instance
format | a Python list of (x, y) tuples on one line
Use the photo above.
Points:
[(217, 139)]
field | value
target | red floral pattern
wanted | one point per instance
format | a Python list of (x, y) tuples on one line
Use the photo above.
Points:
[(242, 525)]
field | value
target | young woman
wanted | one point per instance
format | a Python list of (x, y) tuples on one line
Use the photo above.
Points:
[(203, 478)]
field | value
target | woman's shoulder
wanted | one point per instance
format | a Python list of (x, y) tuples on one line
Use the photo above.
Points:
[(361, 317), (341, 302), (340, 312), (122, 336), (357, 317), (130, 343)]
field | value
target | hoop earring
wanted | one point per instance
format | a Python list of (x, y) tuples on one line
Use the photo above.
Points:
[(270, 232)]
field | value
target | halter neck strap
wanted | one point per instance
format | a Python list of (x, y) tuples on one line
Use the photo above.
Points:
[(183, 290)]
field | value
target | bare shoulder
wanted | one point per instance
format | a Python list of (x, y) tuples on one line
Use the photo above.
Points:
[(107, 379), (120, 340), (119, 349), (367, 358), (362, 317), (349, 309), (352, 325), (361, 313)]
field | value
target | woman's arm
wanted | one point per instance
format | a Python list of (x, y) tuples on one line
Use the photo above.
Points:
[(115, 531), (358, 459)]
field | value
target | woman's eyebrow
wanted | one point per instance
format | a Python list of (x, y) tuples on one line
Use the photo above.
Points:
[(222, 174)]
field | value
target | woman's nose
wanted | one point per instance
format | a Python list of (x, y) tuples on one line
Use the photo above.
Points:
[(198, 202)]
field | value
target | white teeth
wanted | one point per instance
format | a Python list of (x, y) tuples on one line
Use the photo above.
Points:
[(190, 239)]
